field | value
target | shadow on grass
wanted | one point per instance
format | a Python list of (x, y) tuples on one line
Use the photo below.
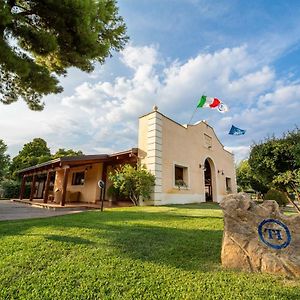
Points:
[(68, 239), (169, 239), (188, 249), (204, 205)]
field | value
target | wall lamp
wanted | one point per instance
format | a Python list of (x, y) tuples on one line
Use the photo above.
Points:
[(221, 171), (87, 168), (202, 167)]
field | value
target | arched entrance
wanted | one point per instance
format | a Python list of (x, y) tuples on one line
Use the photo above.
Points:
[(208, 181)]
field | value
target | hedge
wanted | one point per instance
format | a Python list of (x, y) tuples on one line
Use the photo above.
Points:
[(10, 189), (278, 196)]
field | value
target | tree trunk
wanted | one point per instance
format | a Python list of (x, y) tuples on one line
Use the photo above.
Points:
[(292, 202), (133, 198)]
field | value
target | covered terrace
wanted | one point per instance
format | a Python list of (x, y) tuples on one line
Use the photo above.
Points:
[(72, 179)]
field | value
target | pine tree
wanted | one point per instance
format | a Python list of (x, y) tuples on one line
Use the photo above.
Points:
[(41, 39)]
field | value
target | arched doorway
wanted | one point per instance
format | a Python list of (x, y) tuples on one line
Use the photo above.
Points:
[(208, 182)]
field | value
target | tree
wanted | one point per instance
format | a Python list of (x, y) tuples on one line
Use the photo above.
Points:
[(39, 40), (61, 152), (246, 179), (278, 196), (276, 163), (4, 160), (133, 181), (289, 183), (32, 153)]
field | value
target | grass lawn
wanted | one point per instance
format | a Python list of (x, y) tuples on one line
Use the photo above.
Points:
[(129, 253)]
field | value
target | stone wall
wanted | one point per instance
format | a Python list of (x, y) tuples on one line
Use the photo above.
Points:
[(259, 238)]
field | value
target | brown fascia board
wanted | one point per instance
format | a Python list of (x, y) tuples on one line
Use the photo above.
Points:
[(76, 159), (131, 151), (82, 158), (45, 164)]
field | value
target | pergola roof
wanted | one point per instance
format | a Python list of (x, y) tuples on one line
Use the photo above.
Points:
[(73, 161)]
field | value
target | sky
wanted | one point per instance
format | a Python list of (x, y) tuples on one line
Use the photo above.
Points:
[(246, 53)]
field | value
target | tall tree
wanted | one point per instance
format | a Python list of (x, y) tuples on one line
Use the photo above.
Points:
[(4, 160), (32, 153), (276, 163), (247, 180), (61, 152), (39, 40)]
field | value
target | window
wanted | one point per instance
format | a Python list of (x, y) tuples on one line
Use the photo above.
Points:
[(207, 141), (228, 185), (181, 176), (178, 173), (78, 178)]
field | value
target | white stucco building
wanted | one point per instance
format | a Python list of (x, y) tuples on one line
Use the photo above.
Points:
[(189, 162)]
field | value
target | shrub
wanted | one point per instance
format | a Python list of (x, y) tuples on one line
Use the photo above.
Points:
[(11, 189), (133, 181), (114, 193), (278, 196)]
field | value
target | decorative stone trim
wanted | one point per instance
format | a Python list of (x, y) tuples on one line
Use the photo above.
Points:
[(154, 152)]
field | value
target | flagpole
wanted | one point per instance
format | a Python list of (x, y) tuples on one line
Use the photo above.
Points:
[(194, 111), (193, 115)]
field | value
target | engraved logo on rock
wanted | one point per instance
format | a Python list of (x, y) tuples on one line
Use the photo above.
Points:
[(274, 233)]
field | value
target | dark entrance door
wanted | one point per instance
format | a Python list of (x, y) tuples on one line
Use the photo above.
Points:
[(208, 182)]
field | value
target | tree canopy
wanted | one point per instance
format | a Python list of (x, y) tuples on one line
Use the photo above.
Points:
[(40, 40), (247, 180), (133, 181), (61, 152), (37, 152), (4, 160), (276, 163), (32, 153)]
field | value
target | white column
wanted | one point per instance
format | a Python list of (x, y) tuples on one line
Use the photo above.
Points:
[(154, 152)]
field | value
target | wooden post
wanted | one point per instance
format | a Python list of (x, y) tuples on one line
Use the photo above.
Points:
[(64, 186), (22, 190), (104, 178), (46, 191), (32, 191), (101, 198)]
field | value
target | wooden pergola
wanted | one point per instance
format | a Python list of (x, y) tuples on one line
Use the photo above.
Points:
[(66, 164)]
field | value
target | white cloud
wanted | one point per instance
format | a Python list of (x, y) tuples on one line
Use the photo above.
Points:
[(240, 152), (103, 116), (139, 57)]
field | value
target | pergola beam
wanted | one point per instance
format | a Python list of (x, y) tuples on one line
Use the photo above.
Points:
[(64, 186), (46, 191)]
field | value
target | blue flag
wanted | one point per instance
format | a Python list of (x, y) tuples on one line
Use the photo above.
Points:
[(236, 131)]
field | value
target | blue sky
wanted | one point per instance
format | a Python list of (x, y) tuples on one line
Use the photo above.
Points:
[(246, 53)]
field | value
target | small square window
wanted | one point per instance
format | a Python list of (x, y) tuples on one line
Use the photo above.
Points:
[(181, 176), (178, 173), (78, 178), (228, 185)]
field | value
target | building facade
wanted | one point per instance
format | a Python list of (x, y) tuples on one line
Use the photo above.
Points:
[(189, 163)]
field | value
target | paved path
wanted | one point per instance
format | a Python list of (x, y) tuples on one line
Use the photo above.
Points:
[(13, 211)]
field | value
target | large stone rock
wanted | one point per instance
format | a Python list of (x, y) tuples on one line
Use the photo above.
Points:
[(259, 238)]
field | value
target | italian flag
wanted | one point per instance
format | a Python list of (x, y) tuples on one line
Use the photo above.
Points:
[(208, 102)]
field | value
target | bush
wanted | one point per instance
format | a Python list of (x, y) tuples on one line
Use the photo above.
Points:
[(115, 194), (278, 196), (133, 181), (11, 189)]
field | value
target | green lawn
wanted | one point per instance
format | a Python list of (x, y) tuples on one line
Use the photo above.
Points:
[(129, 253)]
